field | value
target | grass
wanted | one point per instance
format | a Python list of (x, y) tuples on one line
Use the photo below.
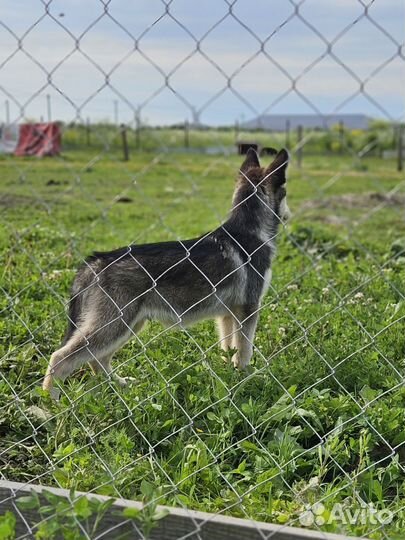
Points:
[(320, 414)]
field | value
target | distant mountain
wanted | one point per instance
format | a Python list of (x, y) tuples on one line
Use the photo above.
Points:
[(278, 122)]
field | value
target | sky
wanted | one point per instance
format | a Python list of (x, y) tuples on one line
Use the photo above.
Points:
[(215, 61)]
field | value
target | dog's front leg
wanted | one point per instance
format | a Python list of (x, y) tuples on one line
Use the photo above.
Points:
[(226, 327), (244, 335)]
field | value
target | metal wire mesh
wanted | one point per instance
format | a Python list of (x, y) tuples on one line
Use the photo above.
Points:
[(317, 419)]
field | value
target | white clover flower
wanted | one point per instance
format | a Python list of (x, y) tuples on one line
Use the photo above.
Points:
[(292, 287), (313, 482)]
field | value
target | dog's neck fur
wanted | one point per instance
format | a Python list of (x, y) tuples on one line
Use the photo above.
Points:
[(254, 212)]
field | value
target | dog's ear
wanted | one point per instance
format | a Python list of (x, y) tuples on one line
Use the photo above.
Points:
[(251, 160), (276, 170)]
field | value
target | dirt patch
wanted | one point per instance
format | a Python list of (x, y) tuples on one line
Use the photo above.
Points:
[(332, 219), (354, 200), (11, 200), (8, 200)]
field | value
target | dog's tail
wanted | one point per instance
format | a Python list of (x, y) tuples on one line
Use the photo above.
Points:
[(73, 316), (81, 283)]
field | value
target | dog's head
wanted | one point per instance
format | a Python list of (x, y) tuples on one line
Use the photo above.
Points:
[(268, 183)]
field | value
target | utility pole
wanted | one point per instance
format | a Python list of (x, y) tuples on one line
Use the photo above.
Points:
[(116, 112), (186, 133), (48, 106), (7, 111)]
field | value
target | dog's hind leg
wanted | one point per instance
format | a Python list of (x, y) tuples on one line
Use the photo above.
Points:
[(87, 344), (103, 365), (66, 359), (98, 350)]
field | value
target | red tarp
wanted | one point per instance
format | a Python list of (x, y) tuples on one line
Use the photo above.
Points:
[(39, 140)]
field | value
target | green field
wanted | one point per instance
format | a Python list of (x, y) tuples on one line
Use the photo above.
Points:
[(320, 413), (380, 136)]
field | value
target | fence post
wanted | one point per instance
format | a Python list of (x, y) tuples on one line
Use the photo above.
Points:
[(394, 135), (400, 142), (299, 146), (124, 142), (287, 134), (341, 135), (236, 130), (88, 131), (186, 134)]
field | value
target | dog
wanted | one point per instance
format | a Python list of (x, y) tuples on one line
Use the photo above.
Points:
[(221, 275)]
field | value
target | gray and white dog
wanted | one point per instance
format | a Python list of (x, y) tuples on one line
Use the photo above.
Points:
[(222, 275)]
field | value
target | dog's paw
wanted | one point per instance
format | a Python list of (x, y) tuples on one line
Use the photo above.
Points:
[(228, 355), (240, 362)]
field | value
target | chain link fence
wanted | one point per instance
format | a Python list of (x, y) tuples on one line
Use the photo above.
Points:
[(152, 102)]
